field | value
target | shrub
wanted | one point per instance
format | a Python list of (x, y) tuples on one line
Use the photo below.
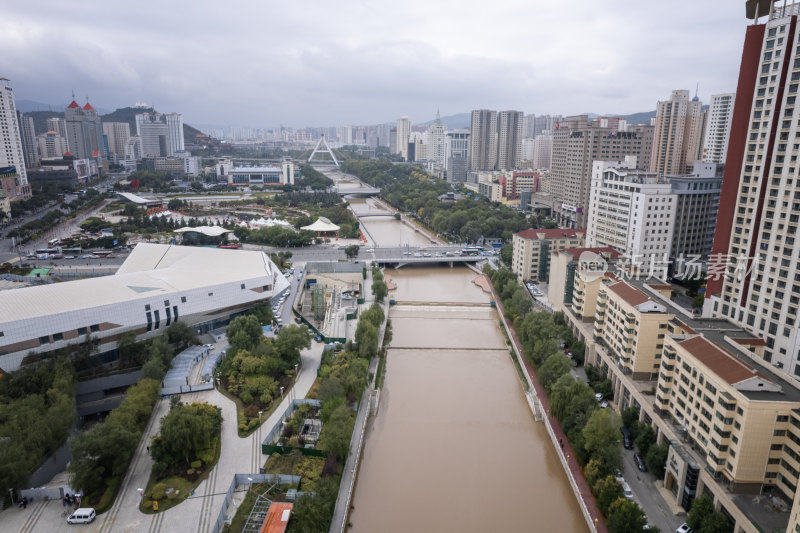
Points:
[(158, 491), (172, 495), (158, 466), (190, 472), (207, 456), (247, 398), (251, 411), (196, 464)]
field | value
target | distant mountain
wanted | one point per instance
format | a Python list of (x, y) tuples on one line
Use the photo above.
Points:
[(640, 118), (453, 122)]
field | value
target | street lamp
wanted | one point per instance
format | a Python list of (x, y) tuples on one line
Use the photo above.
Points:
[(251, 482)]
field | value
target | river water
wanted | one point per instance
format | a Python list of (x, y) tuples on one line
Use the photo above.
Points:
[(454, 446)]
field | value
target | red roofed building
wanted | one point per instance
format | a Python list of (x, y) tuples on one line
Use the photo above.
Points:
[(533, 247), (84, 131)]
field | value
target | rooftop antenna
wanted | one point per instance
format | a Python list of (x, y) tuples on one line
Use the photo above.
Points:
[(437, 114), (696, 89), (73, 94)]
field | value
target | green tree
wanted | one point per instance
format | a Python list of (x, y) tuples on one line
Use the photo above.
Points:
[(656, 459), (625, 516), (366, 338), (379, 289), (186, 430), (556, 366), (606, 490), (181, 335), (506, 254), (330, 388), (244, 333), (702, 507), (630, 417), (645, 439), (154, 369), (335, 435), (352, 251), (697, 301), (290, 340), (601, 438)]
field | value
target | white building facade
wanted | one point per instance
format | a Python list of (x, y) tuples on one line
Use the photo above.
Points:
[(718, 128)]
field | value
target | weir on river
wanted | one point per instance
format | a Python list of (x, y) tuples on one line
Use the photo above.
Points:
[(454, 445)]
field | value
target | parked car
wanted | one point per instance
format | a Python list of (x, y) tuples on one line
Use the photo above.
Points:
[(603, 404), (598, 396), (627, 442), (626, 490), (684, 528), (639, 462)]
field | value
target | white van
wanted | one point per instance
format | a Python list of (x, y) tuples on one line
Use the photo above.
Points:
[(626, 490), (84, 515)]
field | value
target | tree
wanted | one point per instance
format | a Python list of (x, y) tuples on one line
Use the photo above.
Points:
[(697, 301), (352, 251), (335, 435), (181, 335), (506, 254), (366, 338), (290, 340), (380, 289), (656, 459), (645, 439), (630, 417), (330, 388), (186, 430), (702, 507), (154, 369), (556, 366), (625, 516), (244, 333), (606, 490), (601, 438)]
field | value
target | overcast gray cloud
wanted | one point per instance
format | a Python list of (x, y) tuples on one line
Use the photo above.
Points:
[(255, 63)]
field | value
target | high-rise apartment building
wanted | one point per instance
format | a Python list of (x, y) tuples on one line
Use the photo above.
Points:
[(29, 146), (457, 155), (632, 211), (58, 125), (117, 134), (483, 140), (754, 277), (545, 123), (84, 131), (528, 126), (527, 150), (576, 144), (437, 142), (11, 152), (678, 135), (542, 150), (696, 208), (161, 135), (718, 128), (509, 139), (51, 144), (403, 133)]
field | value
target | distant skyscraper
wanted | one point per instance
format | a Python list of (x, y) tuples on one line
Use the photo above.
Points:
[(457, 155), (509, 139), (529, 126), (403, 133), (483, 140), (678, 135), (29, 147), (154, 132), (58, 125), (11, 152), (576, 143), (542, 150), (545, 123), (175, 126), (84, 131), (718, 127), (437, 142), (527, 149), (117, 134)]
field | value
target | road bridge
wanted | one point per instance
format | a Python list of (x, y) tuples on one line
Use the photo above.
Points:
[(359, 191)]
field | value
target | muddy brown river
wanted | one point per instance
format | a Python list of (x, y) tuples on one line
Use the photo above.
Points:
[(454, 446)]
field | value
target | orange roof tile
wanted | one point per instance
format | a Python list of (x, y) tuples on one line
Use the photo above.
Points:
[(723, 363), (556, 233), (273, 522), (629, 293)]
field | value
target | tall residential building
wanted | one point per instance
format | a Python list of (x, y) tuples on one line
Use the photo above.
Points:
[(532, 249), (528, 126), (117, 134), (483, 140), (527, 149), (11, 152), (58, 125), (545, 123), (576, 144), (457, 155), (29, 147), (632, 211), (754, 277), (84, 132), (51, 144), (154, 132), (543, 150), (718, 127), (678, 136), (696, 209), (437, 142), (403, 133), (509, 139)]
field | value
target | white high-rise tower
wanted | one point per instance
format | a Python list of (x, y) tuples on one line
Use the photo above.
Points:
[(11, 153)]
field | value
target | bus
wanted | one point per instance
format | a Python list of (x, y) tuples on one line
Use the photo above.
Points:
[(472, 250), (103, 253), (52, 243), (48, 253)]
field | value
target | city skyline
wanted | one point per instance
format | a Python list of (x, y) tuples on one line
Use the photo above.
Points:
[(338, 64)]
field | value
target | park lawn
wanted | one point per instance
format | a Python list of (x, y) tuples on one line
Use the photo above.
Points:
[(183, 483)]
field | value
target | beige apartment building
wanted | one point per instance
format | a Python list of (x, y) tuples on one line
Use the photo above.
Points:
[(564, 264), (532, 249), (631, 325), (678, 136), (707, 368)]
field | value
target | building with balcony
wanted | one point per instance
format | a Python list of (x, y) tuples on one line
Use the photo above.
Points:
[(533, 247)]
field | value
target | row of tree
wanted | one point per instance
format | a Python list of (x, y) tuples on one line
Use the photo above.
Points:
[(37, 410)]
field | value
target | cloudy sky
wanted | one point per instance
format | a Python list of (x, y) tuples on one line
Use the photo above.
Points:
[(313, 63)]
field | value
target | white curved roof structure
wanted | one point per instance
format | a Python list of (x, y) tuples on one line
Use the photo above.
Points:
[(322, 224), (208, 231)]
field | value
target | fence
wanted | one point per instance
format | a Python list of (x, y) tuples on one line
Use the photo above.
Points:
[(248, 479), (45, 493), (287, 413), (26, 279)]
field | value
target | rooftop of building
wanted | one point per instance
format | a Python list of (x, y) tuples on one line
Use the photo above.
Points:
[(258, 169), (555, 233), (576, 253), (718, 331), (630, 294), (150, 269)]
